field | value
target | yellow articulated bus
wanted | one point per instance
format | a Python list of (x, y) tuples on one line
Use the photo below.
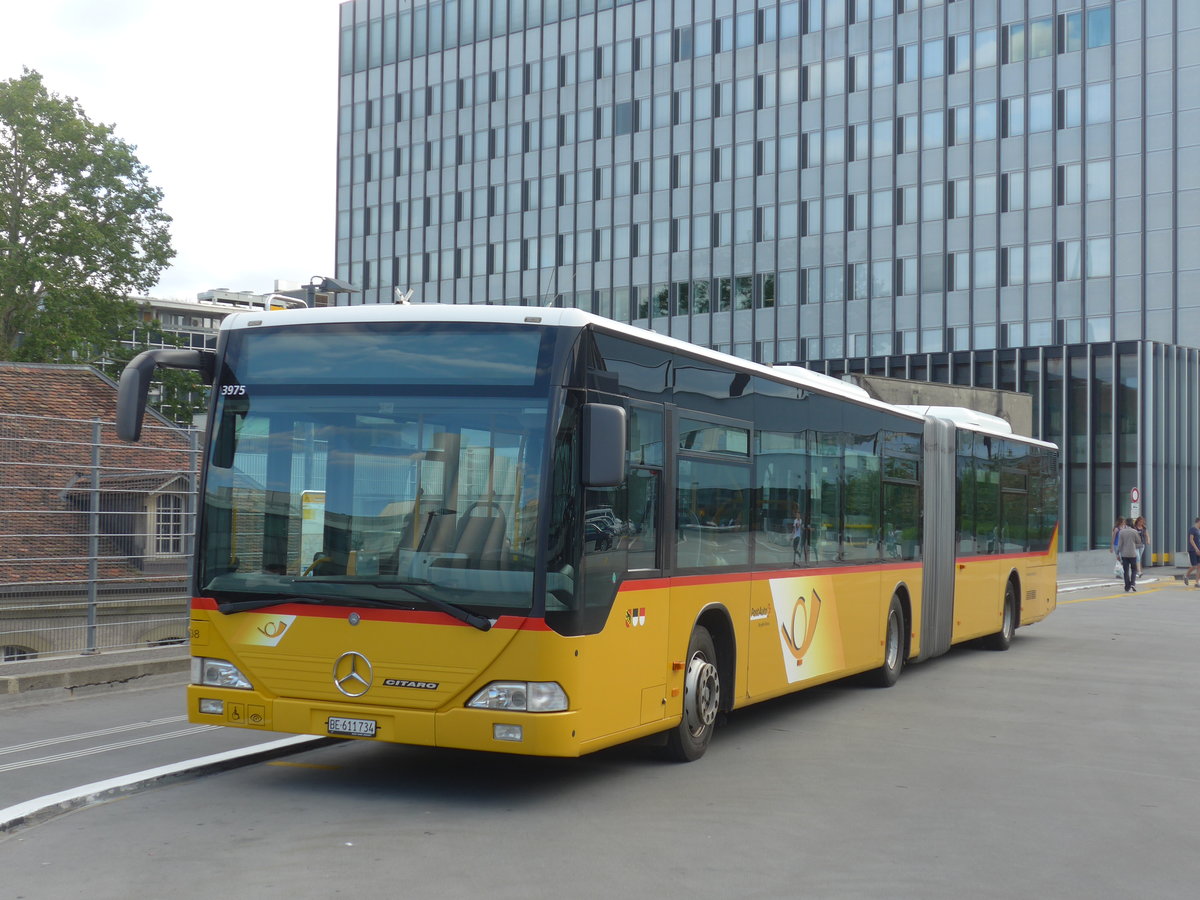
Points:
[(538, 531)]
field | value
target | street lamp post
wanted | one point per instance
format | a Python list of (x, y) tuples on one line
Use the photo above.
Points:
[(324, 284)]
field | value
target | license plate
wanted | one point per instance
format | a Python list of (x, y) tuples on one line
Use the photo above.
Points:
[(352, 727)]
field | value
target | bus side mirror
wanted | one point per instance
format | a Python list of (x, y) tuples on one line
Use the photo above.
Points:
[(135, 383), (603, 445)]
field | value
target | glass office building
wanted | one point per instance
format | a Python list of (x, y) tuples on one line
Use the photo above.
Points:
[(1003, 193)]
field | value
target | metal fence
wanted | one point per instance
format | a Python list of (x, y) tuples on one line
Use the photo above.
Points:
[(96, 536)]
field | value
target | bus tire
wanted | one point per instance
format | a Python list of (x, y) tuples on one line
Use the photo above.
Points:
[(1003, 638), (893, 647), (701, 700)]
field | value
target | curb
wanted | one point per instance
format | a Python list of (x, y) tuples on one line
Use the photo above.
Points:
[(42, 809), (1083, 584)]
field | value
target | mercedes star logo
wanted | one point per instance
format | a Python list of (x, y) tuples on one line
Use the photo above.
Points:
[(352, 674)]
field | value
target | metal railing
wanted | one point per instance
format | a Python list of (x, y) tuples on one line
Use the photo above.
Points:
[(96, 536)]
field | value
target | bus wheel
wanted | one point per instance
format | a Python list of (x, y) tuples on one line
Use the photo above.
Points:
[(1003, 638), (701, 698), (893, 646)]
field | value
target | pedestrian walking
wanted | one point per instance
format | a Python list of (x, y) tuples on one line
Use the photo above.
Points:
[(1193, 545), (1118, 572), (1139, 525), (1128, 544)]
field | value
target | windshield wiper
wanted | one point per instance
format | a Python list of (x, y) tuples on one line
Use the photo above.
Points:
[(450, 609), (243, 605)]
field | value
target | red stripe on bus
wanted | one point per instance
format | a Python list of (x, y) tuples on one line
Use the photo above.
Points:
[(370, 614), (1032, 554)]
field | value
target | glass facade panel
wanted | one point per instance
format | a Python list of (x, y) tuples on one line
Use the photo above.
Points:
[(840, 211), (1099, 27)]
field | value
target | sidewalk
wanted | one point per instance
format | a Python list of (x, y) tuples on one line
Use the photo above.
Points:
[(64, 677), (1165, 575)]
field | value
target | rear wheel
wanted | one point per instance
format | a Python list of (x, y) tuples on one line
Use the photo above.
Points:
[(893, 646), (701, 700), (1003, 638)]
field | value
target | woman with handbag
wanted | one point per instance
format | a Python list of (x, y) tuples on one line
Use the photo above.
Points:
[(1144, 532)]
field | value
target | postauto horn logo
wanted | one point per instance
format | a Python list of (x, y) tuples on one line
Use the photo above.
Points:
[(798, 633)]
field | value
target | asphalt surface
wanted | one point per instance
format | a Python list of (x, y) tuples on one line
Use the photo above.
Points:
[(1063, 768), (80, 730)]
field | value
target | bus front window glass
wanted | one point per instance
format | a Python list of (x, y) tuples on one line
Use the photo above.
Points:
[(355, 478), (354, 496)]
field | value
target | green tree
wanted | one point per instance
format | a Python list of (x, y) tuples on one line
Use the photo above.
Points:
[(80, 229)]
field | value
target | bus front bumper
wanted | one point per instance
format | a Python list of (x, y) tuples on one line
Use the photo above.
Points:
[(498, 731)]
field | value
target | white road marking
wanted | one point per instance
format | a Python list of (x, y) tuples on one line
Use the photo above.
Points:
[(87, 735), (42, 808), (103, 748)]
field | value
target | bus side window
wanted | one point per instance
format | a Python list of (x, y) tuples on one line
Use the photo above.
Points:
[(643, 519)]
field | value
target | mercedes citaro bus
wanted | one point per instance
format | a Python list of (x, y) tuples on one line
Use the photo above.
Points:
[(539, 531)]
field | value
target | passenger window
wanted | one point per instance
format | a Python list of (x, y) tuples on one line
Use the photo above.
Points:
[(712, 514), (709, 437), (861, 530), (781, 501)]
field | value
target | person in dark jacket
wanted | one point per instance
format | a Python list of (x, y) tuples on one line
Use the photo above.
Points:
[(1193, 545), (1129, 542)]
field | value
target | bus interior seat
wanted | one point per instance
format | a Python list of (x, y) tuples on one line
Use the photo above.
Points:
[(481, 531), (438, 535)]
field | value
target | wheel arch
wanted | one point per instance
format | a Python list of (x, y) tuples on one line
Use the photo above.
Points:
[(902, 591), (719, 623), (1014, 578)]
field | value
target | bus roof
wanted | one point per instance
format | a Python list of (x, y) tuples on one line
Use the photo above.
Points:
[(575, 318), (532, 315), (973, 420)]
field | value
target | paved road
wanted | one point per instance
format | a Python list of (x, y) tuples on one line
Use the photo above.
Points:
[(1064, 768), (50, 747)]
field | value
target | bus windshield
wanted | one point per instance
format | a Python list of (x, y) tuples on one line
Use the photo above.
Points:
[(356, 489)]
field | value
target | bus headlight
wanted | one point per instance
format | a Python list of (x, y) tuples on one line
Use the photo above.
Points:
[(521, 696), (218, 673)]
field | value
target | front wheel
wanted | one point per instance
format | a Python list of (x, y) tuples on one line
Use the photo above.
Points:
[(893, 646), (1003, 638), (701, 700)]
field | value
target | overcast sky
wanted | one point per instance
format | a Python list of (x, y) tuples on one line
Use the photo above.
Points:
[(232, 104)]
